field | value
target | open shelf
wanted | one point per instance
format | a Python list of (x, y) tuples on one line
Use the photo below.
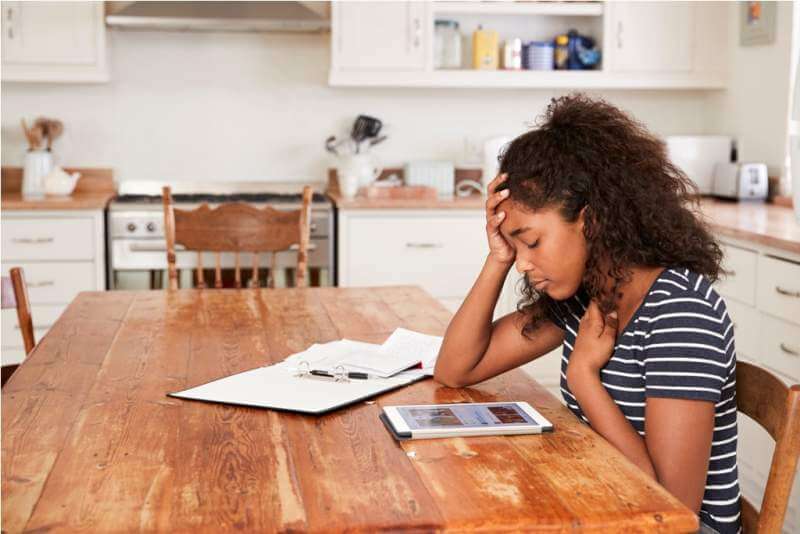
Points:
[(577, 9), (525, 79)]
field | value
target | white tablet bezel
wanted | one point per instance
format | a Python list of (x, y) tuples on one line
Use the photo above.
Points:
[(401, 427)]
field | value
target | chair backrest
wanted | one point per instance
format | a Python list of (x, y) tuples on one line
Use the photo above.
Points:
[(15, 295), (776, 407), (238, 228)]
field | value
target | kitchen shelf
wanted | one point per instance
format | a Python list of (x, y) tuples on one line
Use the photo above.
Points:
[(578, 9), (525, 79)]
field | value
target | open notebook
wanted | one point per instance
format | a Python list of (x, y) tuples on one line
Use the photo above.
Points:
[(284, 385)]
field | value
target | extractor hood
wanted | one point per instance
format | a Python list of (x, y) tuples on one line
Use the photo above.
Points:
[(298, 17)]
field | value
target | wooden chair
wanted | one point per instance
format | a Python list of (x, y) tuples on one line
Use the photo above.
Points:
[(238, 228), (15, 295), (776, 408)]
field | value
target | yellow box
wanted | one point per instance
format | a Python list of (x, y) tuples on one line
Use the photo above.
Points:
[(485, 49)]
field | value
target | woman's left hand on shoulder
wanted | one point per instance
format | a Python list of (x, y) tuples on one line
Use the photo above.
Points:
[(597, 335)]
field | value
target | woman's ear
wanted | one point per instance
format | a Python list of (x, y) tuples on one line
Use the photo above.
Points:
[(581, 218)]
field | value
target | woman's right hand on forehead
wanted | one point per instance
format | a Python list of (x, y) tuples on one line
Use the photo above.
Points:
[(499, 249)]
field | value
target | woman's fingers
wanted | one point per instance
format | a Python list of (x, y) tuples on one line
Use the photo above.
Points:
[(495, 199), (499, 179)]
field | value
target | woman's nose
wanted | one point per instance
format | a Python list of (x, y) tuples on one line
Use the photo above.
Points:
[(523, 265)]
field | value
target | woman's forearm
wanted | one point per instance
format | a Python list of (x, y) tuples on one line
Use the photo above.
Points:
[(606, 418), (468, 334)]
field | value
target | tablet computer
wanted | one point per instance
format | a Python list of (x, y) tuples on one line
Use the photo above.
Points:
[(422, 421)]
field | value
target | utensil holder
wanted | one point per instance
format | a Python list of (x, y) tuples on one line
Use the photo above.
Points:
[(38, 164)]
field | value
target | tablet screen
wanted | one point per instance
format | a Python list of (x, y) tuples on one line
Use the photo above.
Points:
[(464, 416)]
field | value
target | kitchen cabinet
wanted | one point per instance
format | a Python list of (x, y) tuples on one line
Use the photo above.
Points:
[(61, 253), (651, 45), (54, 42), (762, 294), (651, 37), (381, 36)]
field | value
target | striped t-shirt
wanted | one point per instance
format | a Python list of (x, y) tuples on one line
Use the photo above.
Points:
[(679, 343)]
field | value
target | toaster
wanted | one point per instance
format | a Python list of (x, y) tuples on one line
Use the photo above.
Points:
[(741, 181)]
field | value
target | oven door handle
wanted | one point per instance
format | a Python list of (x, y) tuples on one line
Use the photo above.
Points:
[(152, 247), (147, 247)]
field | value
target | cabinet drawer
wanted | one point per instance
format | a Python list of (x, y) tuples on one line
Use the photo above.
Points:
[(780, 347), (54, 282), (442, 254), (746, 321), (43, 319), (740, 284), (48, 239), (779, 288)]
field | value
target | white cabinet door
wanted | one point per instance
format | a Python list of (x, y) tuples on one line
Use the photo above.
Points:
[(53, 41), (379, 35), (651, 36)]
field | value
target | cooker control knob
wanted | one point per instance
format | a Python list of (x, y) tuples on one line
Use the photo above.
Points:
[(151, 227), (131, 227)]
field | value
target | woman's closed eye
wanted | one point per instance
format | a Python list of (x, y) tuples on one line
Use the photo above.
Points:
[(534, 244)]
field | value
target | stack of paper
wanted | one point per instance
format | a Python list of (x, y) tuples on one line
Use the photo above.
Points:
[(403, 350), (282, 387)]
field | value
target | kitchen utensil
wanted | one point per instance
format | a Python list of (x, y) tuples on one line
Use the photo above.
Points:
[(365, 127), (696, 156), (438, 174), (37, 165), (60, 183), (741, 180)]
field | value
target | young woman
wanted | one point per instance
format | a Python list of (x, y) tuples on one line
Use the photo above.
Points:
[(618, 270)]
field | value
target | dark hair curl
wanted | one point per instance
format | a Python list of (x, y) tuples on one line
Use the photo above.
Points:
[(640, 209)]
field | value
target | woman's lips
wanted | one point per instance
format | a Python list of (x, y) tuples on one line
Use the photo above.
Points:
[(541, 284)]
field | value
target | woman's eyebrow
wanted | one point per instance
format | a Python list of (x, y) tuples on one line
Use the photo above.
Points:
[(518, 231)]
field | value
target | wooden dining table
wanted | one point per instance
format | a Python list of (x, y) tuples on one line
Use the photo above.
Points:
[(91, 442)]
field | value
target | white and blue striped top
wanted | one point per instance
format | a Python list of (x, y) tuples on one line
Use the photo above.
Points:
[(679, 343)]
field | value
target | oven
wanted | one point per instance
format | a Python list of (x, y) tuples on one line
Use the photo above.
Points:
[(137, 257)]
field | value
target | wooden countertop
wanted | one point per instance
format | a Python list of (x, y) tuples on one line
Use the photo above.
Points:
[(91, 442), (762, 223), (94, 191), (765, 224)]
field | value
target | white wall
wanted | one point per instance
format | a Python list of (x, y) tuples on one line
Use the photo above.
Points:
[(755, 107), (191, 106)]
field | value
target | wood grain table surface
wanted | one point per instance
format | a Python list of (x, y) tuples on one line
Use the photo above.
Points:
[(90, 442)]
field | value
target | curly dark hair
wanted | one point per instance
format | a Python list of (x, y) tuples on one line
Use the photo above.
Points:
[(640, 208)]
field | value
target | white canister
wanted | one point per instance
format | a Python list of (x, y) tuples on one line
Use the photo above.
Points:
[(356, 171), (38, 164)]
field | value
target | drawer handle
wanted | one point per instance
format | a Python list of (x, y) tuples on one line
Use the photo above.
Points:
[(423, 245), (37, 326), (785, 348), (43, 283), (32, 240), (787, 292)]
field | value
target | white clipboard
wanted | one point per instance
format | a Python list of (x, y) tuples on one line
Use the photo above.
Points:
[(280, 387)]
